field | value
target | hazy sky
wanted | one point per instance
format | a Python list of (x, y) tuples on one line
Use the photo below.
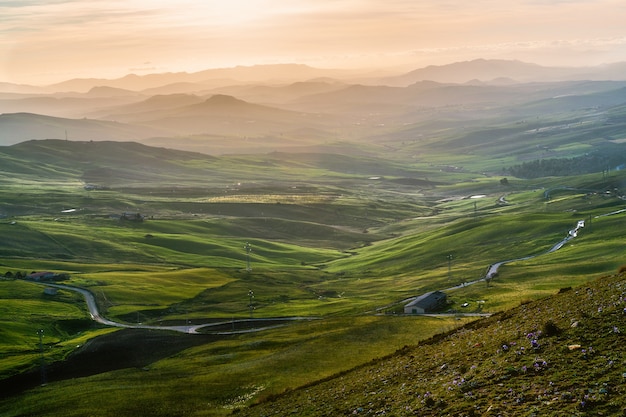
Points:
[(44, 41)]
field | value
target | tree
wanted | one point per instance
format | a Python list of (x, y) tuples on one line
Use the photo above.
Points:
[(504, 181)]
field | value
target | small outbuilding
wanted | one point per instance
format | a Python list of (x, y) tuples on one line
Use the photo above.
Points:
[(426, 303), (50, 291)]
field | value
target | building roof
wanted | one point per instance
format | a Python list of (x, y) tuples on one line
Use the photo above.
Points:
[(428, 300)]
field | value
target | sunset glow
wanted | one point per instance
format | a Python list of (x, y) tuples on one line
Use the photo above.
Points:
[(49, 41)]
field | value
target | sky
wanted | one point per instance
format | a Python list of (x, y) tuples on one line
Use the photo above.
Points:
[(47, 41)]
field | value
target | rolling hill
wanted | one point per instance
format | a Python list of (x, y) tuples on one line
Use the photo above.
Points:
[(20, 127), (281, 94), (143, 109), (560, 355), (223, 115)]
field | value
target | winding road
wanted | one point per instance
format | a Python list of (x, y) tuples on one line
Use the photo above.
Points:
[(189, 329), (492, 270)]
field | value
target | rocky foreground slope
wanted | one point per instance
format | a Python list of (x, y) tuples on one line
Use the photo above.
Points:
[(563, 355)]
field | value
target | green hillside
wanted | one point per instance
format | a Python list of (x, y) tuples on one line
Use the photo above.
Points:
[(339, 241), (562, 355)]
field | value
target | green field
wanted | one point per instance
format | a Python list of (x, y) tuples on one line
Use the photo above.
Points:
[(340, 240)]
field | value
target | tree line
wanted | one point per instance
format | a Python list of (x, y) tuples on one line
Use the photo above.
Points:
[(561, 167)]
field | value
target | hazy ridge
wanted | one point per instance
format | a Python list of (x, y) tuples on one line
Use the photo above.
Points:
[(249, 115)]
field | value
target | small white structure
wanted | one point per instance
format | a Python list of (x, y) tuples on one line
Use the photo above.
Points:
[(426, 303)]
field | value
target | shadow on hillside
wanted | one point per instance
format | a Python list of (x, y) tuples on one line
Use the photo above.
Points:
[(128, 348)]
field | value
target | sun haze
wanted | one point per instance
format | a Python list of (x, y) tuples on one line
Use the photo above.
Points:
[(48, 41)]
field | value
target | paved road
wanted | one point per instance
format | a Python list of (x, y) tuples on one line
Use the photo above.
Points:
[(493, 268), (96, 316), (190, 329)]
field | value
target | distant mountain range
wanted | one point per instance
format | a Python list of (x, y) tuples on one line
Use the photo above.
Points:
[(278, 107), (496, 71), (460, 72), (266, 74), (20, 127)]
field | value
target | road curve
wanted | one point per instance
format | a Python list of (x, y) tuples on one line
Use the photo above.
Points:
[(493, 268), (189, 329)]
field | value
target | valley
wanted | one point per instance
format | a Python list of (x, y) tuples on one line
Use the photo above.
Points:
[(327, 200)]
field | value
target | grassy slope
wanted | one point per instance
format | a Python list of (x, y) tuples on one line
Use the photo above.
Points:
[(218, 376), (559, 355), (26, 309)]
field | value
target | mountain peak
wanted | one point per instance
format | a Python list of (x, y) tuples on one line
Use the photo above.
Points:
[(224, 99), (483, 70), (106, 91)]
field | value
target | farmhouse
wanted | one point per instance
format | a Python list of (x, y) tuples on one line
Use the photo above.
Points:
[(41, 276), (133, 217), (426, 303)]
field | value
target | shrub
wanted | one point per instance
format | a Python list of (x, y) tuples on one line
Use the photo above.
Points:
[(550, 328), (429, 401)]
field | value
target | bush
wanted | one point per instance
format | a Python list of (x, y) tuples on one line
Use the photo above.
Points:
[(550, 329)]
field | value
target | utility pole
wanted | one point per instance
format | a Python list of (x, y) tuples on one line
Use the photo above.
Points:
[(43, 359), (248, 249), (251, 297), (449, 267)]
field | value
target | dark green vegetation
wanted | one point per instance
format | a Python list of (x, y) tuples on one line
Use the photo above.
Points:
[(339, 232)]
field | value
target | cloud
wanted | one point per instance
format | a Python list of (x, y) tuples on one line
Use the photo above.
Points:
[(80, 36)]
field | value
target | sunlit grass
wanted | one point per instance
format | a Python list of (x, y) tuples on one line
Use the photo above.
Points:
[(219, 376), (123, 292)]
